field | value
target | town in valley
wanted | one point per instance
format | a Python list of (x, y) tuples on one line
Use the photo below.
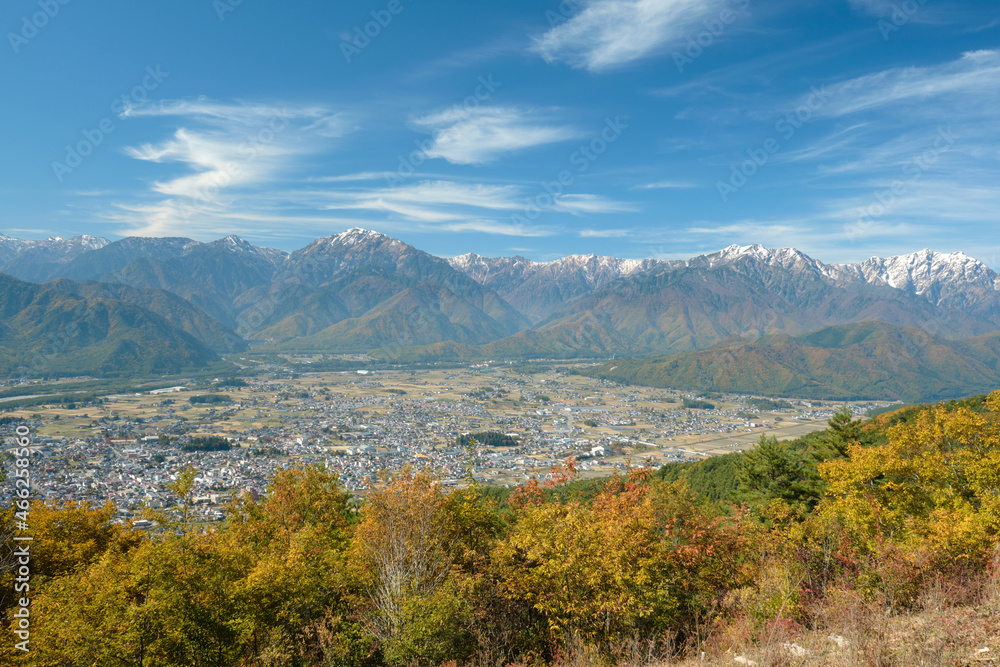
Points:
[(489, 423)]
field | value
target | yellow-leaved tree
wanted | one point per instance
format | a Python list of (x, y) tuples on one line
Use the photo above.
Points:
[(598, 572), (930, 494)]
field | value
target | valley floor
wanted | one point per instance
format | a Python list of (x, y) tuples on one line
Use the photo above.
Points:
[(131, 444)]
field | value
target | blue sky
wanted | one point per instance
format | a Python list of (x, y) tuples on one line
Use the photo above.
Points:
[(636, 128)]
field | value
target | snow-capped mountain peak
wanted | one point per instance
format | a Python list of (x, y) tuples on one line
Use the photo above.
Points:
[(463, 262), (734, 251), (927, 273), (355, 236), (238, 244), (786, 258)]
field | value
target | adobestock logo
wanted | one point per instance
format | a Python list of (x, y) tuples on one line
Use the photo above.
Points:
[(94, 137), (31, 25), (582, 158), (705, 38), (362, 36), (883, 201), (900, 16), (786, 127), (223, 7)]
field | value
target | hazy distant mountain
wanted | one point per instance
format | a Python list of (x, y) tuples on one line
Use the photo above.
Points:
[(47, 331), (864, 360), (537, 288), (948, 280), (210, 275), (11, 248), (931, 274), (102, 263), (38, 261), (666, 307), (952, 280)]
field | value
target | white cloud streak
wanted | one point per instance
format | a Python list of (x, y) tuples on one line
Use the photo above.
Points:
[(607, 34), (240, 164), (605, 233), (665, 185), (969, 83), (444, 201), (484, 134), (225, 148)]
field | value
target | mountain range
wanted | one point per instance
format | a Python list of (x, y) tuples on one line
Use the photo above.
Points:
[(362, 291)]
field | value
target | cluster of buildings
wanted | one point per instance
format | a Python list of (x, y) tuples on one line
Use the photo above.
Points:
[(362, 426)]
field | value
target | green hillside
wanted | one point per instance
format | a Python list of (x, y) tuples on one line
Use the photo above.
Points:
[(48, 331), (175, 310), (870, 360)]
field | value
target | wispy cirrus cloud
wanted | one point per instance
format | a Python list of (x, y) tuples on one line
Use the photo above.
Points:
[(244, 166), (226, 145), (900, 13), (876, 7), (221, 148), (427, 206), (606, 34), (446, 201), (584, 204), (969, 83), (348, 178), (500, 228), (429, 201), (665, 185), (926, 135), (484, 134), (605, 233)]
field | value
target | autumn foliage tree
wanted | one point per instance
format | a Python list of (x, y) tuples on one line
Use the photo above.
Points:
[(929, 497), (403, 544)]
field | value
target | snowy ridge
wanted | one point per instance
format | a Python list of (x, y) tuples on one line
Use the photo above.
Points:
[(786, 258), (357, 235), (52, 247), (936, 276), (592, 269), (926, 272), (240, 246), (933, 275), (237, 243)]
